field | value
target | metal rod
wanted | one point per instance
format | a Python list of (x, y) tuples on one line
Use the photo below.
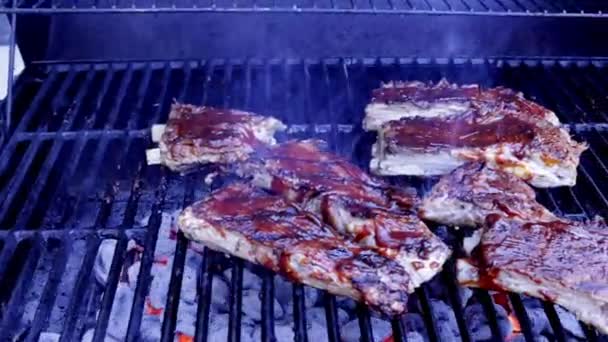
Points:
[(365, 324), (490, 312), (49, 294), (11, 73), (554, 321), (110, 291), (267, 313), (145, 277), (205, 289), (177, 273), (82, 286), (449, 279), (299, 314), (235, 301), (331, 317), (399, 331), (522, 316), (13, 297)]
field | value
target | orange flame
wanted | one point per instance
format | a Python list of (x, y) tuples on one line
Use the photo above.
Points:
[(515, 324)]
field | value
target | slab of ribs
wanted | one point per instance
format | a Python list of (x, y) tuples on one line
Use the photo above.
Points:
[(364, 209), (248, 222), (426, 129), (521, 246), (195, 136)]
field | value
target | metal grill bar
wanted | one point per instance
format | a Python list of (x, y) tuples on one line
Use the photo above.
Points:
[(365, 325), (299, 314), (427, 313), (72, 148), (108, 296), (24, 278), (84, 279), (331, 313), (170, 316), (522, 316), (268, 307), (449, 278)]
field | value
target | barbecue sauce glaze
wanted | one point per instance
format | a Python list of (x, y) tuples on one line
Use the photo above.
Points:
[(211, 126), (424, 133), (484, 100), (570, 254)]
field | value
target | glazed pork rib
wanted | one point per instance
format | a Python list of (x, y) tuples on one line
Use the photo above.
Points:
[(396, 100), (473, 191), (559, 261), (265, 229), (364, 209), (195, 136), (521, 246), (542, 154)]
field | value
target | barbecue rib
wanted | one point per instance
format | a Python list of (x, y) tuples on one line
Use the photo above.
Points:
[(538, 152), (247, 222), (365, 210), (521, 246), (558, 261), (396, 100), (473, 191), (195, 136)]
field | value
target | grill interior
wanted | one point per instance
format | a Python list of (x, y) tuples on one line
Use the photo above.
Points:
[(74, 181)]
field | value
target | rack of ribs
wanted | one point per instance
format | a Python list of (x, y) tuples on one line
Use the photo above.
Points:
[(473, 191), (194, 136), (396, 100), (560, 261), (247, 222), (540, 153), (521, 246), (362, 208)]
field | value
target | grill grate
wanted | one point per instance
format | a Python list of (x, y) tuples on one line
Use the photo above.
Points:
[(74, 181), (564, 8)]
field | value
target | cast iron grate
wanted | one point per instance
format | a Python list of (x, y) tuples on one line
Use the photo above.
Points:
[(85, 224), (563, 8)]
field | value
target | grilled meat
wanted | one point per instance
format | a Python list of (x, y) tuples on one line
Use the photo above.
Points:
[(559, 261), (265, 229), (521, 246), (201, 135), (364, 209), (473, 191), (542, 154), (397, 100), (301, 170)]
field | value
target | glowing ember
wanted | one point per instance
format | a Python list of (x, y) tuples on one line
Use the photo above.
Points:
[(151, 310), (515, 324), (389, 338), (184, 338)]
